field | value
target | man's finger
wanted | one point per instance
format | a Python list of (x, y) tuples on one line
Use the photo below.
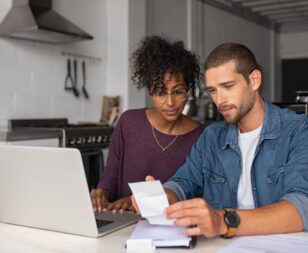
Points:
[(149, 178), (187, 221), (193, 231), (186, 204)]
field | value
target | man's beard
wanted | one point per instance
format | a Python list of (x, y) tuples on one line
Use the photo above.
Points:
[(241, 110)]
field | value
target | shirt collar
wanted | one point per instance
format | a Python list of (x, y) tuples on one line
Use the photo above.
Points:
[(270, 129)]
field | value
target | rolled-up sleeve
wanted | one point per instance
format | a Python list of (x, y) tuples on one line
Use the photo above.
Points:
[(176, 188), (296, 172), (301, 204)]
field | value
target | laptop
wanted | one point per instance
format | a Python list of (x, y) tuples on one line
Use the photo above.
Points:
[(46, 188)]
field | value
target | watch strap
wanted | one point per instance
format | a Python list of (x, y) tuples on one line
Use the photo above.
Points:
[(231, 232)]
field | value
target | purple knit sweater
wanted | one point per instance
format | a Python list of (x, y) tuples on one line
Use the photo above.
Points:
[(134, 154)]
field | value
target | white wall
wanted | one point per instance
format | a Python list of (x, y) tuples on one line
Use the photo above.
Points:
[(167, 18), (32, 74), (117, 50), (294, 45), (125, 28), (170, 19), (137, 30)]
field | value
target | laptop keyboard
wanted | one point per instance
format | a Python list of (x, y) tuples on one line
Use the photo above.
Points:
[(101, 223)]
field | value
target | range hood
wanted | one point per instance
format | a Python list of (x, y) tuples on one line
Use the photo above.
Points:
[(36, 21)]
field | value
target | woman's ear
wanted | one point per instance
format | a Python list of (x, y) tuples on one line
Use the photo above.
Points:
[(255, 78)]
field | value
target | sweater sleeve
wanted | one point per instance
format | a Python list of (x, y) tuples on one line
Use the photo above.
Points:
[(109, 177)]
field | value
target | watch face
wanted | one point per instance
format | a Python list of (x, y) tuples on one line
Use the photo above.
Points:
[(232, 219)]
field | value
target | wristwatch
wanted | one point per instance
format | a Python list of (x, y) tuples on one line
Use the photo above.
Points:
[(232, 221)]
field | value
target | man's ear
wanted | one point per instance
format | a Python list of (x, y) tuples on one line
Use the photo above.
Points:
[(255, 78)]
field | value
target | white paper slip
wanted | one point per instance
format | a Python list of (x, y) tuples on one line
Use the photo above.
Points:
[(161, 236), (286, 243), (151, 200)]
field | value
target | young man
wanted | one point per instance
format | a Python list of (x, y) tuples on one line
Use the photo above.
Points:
[(247, 175)]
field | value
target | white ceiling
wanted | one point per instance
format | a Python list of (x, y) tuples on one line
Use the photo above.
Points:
[(282, 15)]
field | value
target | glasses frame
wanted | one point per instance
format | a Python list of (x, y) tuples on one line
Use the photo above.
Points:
[(162, 99)]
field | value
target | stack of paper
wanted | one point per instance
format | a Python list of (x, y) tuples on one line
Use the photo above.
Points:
[(161, 236)]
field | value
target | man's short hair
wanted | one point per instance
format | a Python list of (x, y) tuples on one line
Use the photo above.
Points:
[(245, 61)]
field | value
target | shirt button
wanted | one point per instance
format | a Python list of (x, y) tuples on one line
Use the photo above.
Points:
[(254, 188)]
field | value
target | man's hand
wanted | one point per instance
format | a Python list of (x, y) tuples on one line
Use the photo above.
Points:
[(198, 214), (99, 199)]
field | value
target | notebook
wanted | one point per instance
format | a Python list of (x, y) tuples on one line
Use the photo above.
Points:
[(46, 188)]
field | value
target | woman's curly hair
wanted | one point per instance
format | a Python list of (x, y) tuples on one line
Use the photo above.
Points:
[(157, 56)]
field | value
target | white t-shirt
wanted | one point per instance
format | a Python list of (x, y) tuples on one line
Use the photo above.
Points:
[(248, 143)]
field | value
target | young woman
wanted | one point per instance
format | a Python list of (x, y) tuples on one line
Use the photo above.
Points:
[(151, 141)]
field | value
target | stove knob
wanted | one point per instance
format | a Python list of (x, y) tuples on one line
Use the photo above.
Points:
[(105, 140), (89, 139), (72, 142), (79, 140), (99, 139)]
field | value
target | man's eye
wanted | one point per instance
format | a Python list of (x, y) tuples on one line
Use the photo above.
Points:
[(228, 86)]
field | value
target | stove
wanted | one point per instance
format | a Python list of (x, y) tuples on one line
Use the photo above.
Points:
[(81, 136), (90, 139)]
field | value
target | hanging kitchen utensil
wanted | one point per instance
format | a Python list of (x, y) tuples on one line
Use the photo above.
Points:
[(69, 81), (75, 90), (84, 90)]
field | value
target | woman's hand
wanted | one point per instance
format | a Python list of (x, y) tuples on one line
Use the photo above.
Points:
[(100, 203), (121, 205), (99, 199)]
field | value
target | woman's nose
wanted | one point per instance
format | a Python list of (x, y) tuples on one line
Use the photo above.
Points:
[(170, 99)]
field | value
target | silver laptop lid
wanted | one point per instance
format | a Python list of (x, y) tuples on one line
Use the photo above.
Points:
[(45, 188)]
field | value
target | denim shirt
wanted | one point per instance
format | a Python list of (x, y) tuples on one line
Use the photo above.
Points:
[(279, 170)]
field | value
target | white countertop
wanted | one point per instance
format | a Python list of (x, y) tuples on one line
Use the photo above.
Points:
[(15, 239)]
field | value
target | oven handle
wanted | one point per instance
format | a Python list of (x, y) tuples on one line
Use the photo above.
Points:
[(91, 152)]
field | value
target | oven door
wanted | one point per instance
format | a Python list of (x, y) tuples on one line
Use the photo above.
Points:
[(93, 161)]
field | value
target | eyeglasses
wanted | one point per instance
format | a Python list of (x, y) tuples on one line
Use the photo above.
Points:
[(179, 94)]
